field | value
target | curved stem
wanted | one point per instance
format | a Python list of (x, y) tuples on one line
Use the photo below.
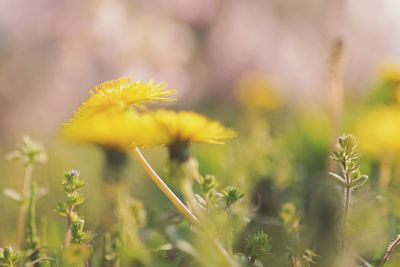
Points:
[(164, 188), (180, 206), (390, 250)]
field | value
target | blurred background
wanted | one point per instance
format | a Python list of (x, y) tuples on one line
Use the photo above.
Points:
[(288, 76), (53, 52)]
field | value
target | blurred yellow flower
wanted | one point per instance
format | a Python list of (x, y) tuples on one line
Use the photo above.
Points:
[(378, 132), (108, 129), (166, 127), (254, 90), (390, 72), (121, 94)]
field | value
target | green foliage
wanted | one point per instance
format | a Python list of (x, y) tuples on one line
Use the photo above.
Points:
[(76, 247), (290, 217), (231, 195), (208, 184), (31, 240), (77, 255), (72, 182), (152, 237), (28, 152), (348, 157), (112, 247), (257, 246), (309, 257), (79, 236), (10, 258)]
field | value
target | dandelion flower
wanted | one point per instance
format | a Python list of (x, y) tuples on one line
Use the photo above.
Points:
[(178, 130), (387, 89), (121, 95), (378, 132), (107, 129), (390, 72)]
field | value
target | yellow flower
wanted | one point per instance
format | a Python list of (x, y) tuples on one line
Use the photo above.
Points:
[(166, 127), (109, 129), (178, 130), (253, 90), (390, 72), (378, 132), (121, 95)]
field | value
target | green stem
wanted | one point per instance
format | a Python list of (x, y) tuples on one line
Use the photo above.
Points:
[(24, 204), (67, 240), (30, 236), (180, 206), (164, 188), (390, 250), (347, 197)]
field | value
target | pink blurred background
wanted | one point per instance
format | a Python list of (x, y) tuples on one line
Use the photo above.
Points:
[(53, 52)]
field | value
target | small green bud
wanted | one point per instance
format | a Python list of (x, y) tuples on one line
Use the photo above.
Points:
[(72, 182), (208, 183), (257, 245), (231, 195)]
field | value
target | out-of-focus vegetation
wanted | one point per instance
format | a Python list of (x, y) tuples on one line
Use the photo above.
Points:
[(292, 166), (280, 193)]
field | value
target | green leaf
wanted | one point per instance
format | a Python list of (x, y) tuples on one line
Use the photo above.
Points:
[(359, 182), (75, 199), (309, 256), (62, 209), (338, 177)]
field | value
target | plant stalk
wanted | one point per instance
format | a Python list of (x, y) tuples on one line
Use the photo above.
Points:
[(67, 240), (180, 206), (346, 206), (164, 188), (24, 204), (336, 93), (295, 257), (390, 250)]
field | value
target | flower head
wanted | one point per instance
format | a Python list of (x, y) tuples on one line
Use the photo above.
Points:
[(165, 127), (106, 118), (108, 129), (178, 130), (378, 131), (390, 72), (121, 95), (387, 89)]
